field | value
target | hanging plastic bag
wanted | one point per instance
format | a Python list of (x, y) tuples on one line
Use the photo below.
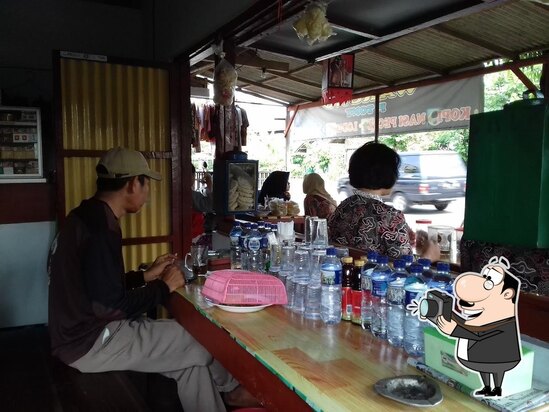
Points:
[(224, 83), (313, 26)]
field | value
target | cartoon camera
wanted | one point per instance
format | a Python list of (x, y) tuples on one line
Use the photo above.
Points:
[(435, 304)]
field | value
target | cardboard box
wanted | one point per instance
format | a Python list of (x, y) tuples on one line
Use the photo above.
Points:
[(440, 355)]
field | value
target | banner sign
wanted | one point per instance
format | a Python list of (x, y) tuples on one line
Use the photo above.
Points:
[(437, 107)]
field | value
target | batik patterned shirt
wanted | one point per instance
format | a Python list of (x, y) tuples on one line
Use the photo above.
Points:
[(364, 222), (316, 205)]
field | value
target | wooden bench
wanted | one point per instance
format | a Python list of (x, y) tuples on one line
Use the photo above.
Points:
[(114, 391)]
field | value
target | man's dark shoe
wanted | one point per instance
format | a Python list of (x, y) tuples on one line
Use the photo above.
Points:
[(486, 391), (495, 392)]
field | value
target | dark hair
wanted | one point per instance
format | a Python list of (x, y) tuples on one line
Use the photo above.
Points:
[(113, 185), (373, 166), (510, 282), (193, 168), (274, 185)]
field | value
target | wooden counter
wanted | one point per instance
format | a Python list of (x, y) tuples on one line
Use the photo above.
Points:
[(294, 364)]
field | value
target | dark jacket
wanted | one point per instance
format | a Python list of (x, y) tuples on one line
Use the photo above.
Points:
[(88, 287), (497, 342)]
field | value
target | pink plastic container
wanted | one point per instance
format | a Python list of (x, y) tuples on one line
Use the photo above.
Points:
[(240, 287)]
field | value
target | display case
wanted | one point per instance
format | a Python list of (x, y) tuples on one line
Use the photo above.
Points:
[(241, 189), (20, 145), (235, 183)]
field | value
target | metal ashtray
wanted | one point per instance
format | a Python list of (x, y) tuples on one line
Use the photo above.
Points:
[(414, 390)]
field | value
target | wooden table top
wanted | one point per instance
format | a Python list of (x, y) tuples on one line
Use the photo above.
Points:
[(332, 368)]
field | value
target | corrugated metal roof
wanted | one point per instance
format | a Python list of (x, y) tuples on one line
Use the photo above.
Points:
[(462, 35)]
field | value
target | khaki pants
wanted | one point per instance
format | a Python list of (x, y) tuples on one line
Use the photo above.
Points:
[(161, 346)]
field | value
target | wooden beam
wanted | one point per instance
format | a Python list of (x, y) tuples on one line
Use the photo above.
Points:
[(261, 96), (497, 50), (406, 60), (290, 77), (304, 67), (282, 52), (198, 57), (202, 67), (371, 77), (524, 79), (476, 7), (252, 59), (287, 130), (273, 89), (376, 125), (349, 28)]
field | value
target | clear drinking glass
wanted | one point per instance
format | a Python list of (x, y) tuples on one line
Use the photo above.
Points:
[(236, 258), (309, 220), (286, 232), (317, 257), (287, 258), (444, 236), (300, 280), (276, 256), (319, 237)]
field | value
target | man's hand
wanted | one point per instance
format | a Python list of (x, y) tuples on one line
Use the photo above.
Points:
[(445, 326), (173, 277), (158, 266)]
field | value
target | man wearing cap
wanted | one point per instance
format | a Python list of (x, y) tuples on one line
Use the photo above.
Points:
[(95, 309)]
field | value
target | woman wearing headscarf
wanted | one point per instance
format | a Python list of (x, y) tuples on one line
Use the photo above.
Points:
[(277, 185), (318, 201)]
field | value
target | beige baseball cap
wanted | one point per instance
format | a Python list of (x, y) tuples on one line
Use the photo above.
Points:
[(121, 162)]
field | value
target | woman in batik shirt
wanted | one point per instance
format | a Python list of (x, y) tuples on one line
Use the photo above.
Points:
[(363, 220)]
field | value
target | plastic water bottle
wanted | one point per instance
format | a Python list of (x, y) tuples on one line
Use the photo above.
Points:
[(441, 279), (414, 288), (366, 287), (243, 242), (399, 272), (380, 278), (235, 234), (265, 249), (236, 251), (330, 274), (409, 259), (395, 310), (261, 227), (254, 245), (427, 273)]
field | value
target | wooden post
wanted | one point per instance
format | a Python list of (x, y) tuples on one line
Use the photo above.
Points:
[(376, 126)]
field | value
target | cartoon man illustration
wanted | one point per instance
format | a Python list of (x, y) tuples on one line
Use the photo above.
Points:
[(488, 335)]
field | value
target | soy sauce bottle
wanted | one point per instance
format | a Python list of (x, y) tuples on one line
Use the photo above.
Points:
[(346, 290)]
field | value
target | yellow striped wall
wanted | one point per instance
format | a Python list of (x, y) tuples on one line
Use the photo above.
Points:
[(106, 105)]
